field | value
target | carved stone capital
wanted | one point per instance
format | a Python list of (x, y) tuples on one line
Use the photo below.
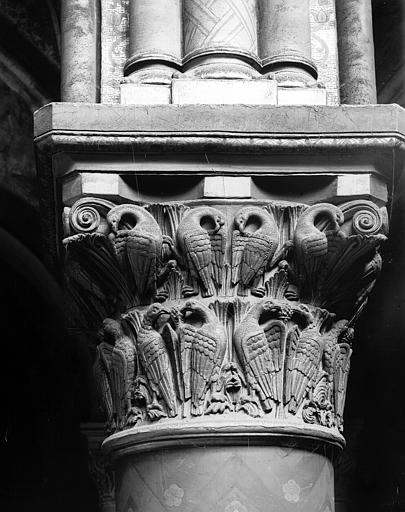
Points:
[(234, 317)]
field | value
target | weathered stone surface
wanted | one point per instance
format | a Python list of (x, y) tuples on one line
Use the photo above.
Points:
[(285, 40), (224, 92), (356, 52), (154, 40), (301, 96), (352, 121), (226, 479), (79, 51)]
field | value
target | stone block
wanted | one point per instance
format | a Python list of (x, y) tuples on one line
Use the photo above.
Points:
[(145, 94), (301, 96), (363, 185), (224, 92), (227, 186)]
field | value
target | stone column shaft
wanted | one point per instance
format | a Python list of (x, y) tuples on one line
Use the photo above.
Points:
[(155, 38), (79, 81), (220, 38), (356, 52), (285, 39)]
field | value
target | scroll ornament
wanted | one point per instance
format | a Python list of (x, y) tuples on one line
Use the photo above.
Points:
[(205, 311)]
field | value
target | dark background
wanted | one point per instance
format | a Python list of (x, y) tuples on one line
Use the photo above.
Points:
[(44, 386)]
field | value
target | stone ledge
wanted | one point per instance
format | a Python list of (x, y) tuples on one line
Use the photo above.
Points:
[(219, 431), (249, 120)]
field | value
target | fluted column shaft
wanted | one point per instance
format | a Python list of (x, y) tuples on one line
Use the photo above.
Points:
[(356, 52), (154, 39), (285, 40), (79, 80)]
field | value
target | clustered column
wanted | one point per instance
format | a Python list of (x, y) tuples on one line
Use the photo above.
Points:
[(356, 52), (285, 40), (79, 51), (154, 40)]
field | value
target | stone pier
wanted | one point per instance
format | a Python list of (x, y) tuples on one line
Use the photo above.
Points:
[(219, 233)]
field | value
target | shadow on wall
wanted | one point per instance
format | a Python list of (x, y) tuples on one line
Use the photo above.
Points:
[(42, 454)]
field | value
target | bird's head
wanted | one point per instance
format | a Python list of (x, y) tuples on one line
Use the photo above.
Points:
[(190, 305), (219, 222), (339, 217), (240, 221), (155, 312), (113, 219), (111, 330)]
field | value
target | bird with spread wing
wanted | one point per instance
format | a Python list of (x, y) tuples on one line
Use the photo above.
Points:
[(137, 240), (202, 346), (155, 358), (260, 349), (114, 372), (254, 244), (201, 238), (304, 355)]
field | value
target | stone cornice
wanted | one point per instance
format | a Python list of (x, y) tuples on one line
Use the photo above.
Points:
[(217, 121)]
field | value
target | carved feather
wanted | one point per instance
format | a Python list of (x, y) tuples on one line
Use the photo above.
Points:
[(259, 352), (101, 371), (155, 358), (202, 241), (341, 371), (137, 244), (203, 349), (304, 367), (253, 250), (311, 244)]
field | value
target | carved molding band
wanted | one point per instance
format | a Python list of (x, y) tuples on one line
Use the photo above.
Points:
[(232, 310)]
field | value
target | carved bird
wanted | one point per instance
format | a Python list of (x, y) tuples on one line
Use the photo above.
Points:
[(203, 343), (254, 243), (260, 351), (137, 240), (155, 357), (114, 371), (341, 374), (303, 366), (202, 241), (311, 244), (331, 349)]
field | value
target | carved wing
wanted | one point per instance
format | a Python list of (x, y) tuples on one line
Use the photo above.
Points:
[(142, 257), (173, 347), (119, 242), (305, 368), (157, 366), (275, 333), (101, 371), (342, 367), (198, 248), (314, 251), (291, 347), (218, 247), (203, 365), (258, 363), (258, 250), (186, 337), (238, 246), (119, 383)]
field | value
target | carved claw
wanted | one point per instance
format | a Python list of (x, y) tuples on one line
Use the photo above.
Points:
[(133, 416), (218, 404), (155, 411), (250, 406)]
